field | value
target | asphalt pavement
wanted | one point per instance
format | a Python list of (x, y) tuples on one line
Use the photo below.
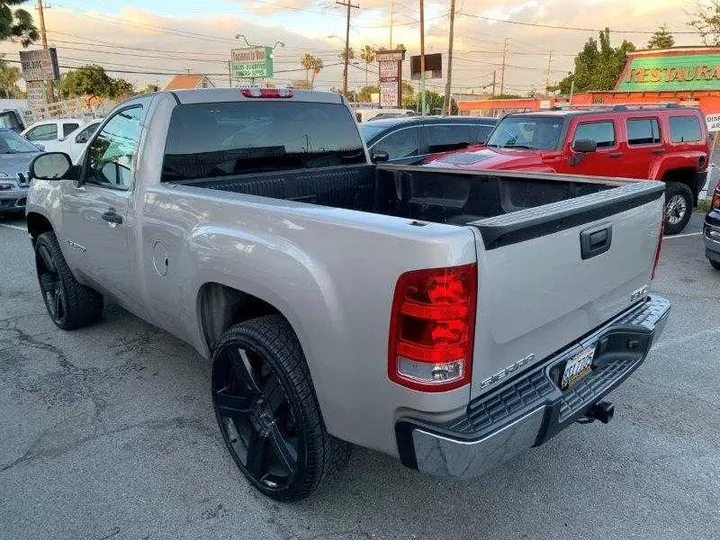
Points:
[(108, 433)]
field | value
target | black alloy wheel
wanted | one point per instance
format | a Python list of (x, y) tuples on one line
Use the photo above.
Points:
[(255, 417), (51, 285)]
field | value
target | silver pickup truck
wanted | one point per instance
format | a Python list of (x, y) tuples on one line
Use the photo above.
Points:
[(448, 318)]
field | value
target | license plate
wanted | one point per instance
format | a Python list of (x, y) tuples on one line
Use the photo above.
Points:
[(577, 367)]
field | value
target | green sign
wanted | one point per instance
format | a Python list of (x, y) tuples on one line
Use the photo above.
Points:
[(671, 73), (252, 63)]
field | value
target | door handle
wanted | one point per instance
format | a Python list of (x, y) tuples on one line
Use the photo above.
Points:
[(615, 154), (593, 242), (658, 150), (112, 217)]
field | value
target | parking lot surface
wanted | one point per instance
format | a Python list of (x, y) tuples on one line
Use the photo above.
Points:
[(108, 432)]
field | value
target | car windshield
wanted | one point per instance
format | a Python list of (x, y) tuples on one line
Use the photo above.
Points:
[(11, 143), (534, 133), (369, 131)]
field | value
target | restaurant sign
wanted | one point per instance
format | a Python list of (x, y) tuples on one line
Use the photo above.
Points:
[(671, 73), (252, 63)]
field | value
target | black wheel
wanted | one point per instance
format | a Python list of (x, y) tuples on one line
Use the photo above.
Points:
[(267, 411), (678, 207), (715, 265), (69, 304)]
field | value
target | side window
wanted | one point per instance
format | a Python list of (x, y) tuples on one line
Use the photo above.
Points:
[(43, 132), (444, 138), (603, 133), (85, 134), (111, 155), (643, 131), (685, 129), (483, 133), (69, 128), (401, 144)]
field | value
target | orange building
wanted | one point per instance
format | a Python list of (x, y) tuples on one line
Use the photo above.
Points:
[(682, 75)]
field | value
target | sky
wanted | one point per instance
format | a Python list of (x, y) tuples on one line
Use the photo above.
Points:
[(150, 41)]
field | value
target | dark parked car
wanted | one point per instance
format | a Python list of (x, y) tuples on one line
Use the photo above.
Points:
[(712, 231), (413, 139)]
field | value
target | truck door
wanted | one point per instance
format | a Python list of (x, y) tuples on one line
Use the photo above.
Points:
[(604, 161), (95, 210), (644, 145)]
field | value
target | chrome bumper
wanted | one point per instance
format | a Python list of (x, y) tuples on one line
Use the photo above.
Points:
[(530, 409)]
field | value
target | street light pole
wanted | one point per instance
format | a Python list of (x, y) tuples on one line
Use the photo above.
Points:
[(349, 6), (422, 58)]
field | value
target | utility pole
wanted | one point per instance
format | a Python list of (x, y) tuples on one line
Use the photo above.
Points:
[(43, 37), (494, 77), (547, 78), (230, 73), (422, 57), (448, 83), (392, 16), (502, 70), (349, 6)]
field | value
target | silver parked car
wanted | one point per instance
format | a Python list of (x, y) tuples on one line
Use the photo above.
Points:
[(15, 156)]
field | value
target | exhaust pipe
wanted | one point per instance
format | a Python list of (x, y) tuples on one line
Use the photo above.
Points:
[(603, 411)]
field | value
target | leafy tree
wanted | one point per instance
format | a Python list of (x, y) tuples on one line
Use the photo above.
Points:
[(311, 64), (597, 66), (367, 55), (351, 95), (661, 39), (408, 96), (364, 95), (9, 76), (149, 89), (16, 25), (122, 88), (706, 20), (90, 80), (433, 101)]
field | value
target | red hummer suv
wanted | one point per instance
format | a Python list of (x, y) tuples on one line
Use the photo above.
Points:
[(667, 143)]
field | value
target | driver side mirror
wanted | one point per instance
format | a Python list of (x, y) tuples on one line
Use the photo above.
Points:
[(378, 156), (584, 146), (53, 166)]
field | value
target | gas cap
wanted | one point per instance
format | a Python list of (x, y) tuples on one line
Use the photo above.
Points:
[(160, 259)]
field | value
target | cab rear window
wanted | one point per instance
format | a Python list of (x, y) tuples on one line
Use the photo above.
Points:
[(685, 129), (210, 140)]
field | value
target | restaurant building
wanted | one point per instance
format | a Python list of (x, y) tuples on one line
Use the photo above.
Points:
[(687, 76)]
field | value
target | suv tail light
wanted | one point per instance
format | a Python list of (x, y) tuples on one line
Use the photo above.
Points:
[(432, 327), (280, 93), (716, 198)]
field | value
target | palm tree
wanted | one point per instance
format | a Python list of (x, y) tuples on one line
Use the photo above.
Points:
[(367, 54), (17, 25), (351, 54), (317, 67)]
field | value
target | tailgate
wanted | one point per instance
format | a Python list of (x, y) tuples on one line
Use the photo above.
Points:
[(539, 289)]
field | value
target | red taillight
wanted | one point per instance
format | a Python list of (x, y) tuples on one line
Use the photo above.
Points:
[(432, 328), (716, 198), (280, 93)]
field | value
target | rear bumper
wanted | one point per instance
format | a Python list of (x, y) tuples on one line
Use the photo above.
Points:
[(530, 408)]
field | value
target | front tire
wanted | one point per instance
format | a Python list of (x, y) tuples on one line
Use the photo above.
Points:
[(69, 304), (267, 411), (679, 202), (715, 265)]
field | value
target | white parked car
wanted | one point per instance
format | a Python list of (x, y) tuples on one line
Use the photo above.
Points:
[(55, 129), (75, 143)]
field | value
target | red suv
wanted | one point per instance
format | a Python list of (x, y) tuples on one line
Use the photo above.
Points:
[(668, 144)]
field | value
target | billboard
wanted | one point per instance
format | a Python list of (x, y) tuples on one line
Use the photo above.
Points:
[(433, 63), (40, 65), (671, 70), (251, 63), (390, 68)]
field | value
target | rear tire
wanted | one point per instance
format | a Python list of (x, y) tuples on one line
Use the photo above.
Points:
[(679, 203), (267, 411), (69, 304)]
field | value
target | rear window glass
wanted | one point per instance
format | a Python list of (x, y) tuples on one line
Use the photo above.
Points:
[(643, 131), (685, 129), (209, 140), (603, 133)]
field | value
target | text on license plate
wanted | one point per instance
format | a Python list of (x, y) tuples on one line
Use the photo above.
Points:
[(577, 367)]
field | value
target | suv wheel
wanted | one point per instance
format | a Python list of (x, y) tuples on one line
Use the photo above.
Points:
[(678, 207), (267, 411)]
